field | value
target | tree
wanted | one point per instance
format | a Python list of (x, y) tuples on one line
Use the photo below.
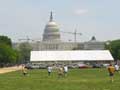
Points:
[(24, 49), (5, 40), (7, 55), (114, 47)]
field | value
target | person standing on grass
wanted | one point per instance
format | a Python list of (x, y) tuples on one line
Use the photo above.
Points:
[(60, 72), (65, 70), (49, 70), (116, 68), (24, 70), (111, 70)]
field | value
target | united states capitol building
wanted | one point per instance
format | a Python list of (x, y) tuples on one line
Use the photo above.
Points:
[(52, 40)]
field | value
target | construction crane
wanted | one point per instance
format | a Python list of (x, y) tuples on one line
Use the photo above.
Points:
[(74, 33), (27, 39)]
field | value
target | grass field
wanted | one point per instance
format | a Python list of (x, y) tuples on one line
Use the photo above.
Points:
[(77, 79)]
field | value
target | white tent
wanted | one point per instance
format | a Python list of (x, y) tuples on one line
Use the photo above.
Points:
[(76, 55)]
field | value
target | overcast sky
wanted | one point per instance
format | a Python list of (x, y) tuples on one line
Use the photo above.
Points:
[(100, 18)]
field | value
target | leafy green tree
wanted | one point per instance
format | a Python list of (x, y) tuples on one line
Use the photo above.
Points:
[(114, 47), (24, 49), (7, 55), (5, 40)]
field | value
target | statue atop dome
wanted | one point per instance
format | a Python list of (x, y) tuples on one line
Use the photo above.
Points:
[(51, 16)]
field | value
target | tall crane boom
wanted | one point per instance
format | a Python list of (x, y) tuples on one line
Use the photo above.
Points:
[(74, 33), (27, 39)]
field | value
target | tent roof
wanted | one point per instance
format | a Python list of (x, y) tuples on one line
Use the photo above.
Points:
[(76, 55)]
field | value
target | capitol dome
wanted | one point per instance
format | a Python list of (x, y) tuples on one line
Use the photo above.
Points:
[(51, 31)]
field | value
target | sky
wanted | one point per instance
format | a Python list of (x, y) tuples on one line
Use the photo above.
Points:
[(20, 19)]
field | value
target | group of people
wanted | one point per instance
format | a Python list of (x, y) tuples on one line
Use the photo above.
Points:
[(61, 70), (112, 69)]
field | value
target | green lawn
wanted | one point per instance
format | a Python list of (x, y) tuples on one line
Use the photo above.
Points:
[(77, 79)]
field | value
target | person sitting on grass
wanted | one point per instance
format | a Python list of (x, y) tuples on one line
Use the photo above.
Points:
[(111, 70)]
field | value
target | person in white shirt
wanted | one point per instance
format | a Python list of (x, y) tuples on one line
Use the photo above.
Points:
[(65, 70), (116, 67), (49, 70)]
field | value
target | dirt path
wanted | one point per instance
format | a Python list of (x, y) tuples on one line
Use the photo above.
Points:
[(10, 69)]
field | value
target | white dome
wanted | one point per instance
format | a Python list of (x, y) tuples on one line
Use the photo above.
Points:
[(52, 26), (51, 31)]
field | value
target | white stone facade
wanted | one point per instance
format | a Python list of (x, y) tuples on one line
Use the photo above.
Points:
[(52, 41)]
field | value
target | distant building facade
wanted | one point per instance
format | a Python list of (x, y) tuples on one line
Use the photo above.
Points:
[(93, 44), (52, 40)]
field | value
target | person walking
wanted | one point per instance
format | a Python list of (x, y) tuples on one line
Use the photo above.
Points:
[(111, 71)]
